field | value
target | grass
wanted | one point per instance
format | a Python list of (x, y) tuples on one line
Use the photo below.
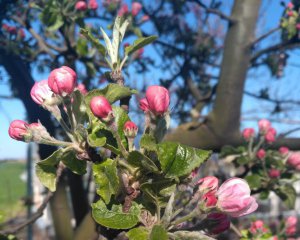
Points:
[(12, 188)]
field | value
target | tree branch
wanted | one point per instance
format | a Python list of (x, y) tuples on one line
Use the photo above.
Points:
[(265, 35)]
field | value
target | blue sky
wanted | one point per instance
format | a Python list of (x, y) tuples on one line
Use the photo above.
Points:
[(286, 87)]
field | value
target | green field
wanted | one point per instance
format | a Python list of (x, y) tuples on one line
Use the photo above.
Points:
[(12, 188)]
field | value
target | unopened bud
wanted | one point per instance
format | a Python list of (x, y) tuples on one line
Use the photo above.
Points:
[(81, 6), (62, 81), (130, 129), (101, 108), (18, 130), (158, 99)]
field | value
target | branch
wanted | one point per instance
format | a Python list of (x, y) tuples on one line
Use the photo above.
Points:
[(265, 35), (39, 212), (280, 46), (214, 11)]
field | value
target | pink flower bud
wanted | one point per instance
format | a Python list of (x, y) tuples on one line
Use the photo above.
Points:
[(158, 99), (274, 173), (261, 153), (18, 130), (144, 105), (290, 13), (81, 6), (12, 30), (234, 198), (135, 8), (81, 87), (290, 5), (264, 125), (123, 10), (284, 151), (291, 225), (62, 81), (294, 160), (248, 133), (257, 227), (218, 222), (145, 18), (209, 199), (270, 135), (40, 92), (101, 108), (130, 129), (126, 45), (208, 184), (21, 33), (298, 26), (93, 4)]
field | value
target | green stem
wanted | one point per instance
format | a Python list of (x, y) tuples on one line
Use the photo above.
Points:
[(126, 165), (188, 217), (114, 130)]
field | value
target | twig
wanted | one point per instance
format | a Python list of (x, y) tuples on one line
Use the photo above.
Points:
[(235, 229), (265, 35)]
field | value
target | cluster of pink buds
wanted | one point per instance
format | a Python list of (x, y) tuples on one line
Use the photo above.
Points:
[(265, 129), (136, 7), (257, 227), (232, 198), (291, 225), (157, 100), (10, 29)]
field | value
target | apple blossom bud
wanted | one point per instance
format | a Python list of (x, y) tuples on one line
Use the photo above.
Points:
[(135, 8), (145, 18), (208, 184), (123, 10), (93, 4), (274, 173), (290, 13), (81, 6), (257, 227), (284, 151), (291, 225), (101, 108), (144, 105), (264, 125), (158, 99), (294, 160), (40, 92), (38, 132), (209, 199), (81, 87), (18, 130), (261, 153), (126, 45), (21, 33), (298, 26), (130, 129), (290, 5), (248, 133), (62, 81), (234, 198), (270, 135), (217, 223)]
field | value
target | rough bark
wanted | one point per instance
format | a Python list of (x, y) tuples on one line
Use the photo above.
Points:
[(222, 125)]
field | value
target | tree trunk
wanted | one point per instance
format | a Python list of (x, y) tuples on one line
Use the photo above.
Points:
[(222, 125)]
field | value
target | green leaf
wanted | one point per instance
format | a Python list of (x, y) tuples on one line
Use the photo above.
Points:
[(53, 159), (82, 47), (264, 195), (79, 107), (242, 160), (178, 160), (139, 43), (148, 142), (57, 24), (75, 165), (288, 194), (109, 47), (137, 159), (106, 179), (254, 181), (95, 42), (121, 117), (47, 176), (116, 218), (112, 92), (158, 233), (140, 233), (96, 141)]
